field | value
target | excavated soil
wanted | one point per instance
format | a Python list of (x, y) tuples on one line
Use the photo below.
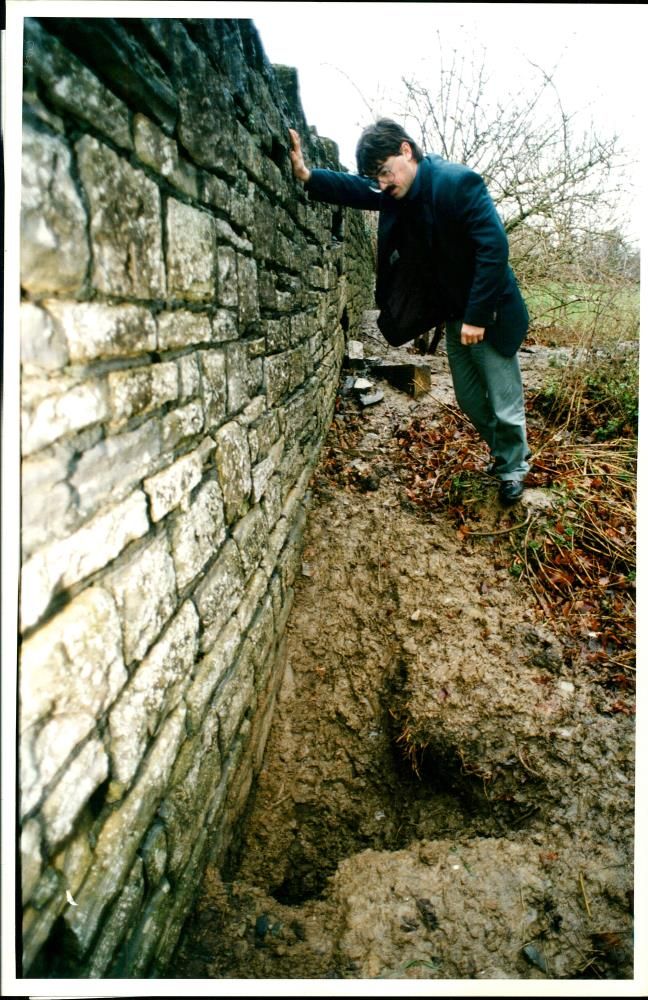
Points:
[(445, 794)]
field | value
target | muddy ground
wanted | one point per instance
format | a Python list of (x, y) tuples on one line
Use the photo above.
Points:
[(444, 794)]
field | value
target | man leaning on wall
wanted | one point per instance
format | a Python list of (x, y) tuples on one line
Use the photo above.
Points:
[(442, 258)]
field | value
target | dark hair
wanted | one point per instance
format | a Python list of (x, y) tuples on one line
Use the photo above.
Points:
[(379, 141)]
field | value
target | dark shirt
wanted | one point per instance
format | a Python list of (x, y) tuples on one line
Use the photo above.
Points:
[(414, 241)]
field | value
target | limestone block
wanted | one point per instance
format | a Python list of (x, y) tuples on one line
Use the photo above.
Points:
[(145, 594), (113, 467), (267, 433), (252, 413), (228, 292), (264, 227), (273, 178), (172, 486), (255, 591), (262, 638), (31, 858), (154, 853), (271, 501), (183, 328), (215, 192), (263, 472), (267, 290), (214, 381), (251, 536), (209, 671), (183, 897), (233, 465), (143, 938), (301, 328), (226, 234), (180, 424), (49, 898), (42, 345), (283, 373), (141, 390), (81, 777), (70, 560), (54, 250), (96, 330), (242, 207), (198, 533), (189, 374), (40, 916), (121, 835), (71, 670), (248, 300), (125, 224), (278, 334), (224, 326), (235, 699), (257, 349), (75, 857), (46, 508), (121, 917), (218, 595), (157, 150), (238, 377), (152, 692), (73, 88), (248, 152), (68, 409), (204, 110), (195, 781), (191, 249), (298, 413)]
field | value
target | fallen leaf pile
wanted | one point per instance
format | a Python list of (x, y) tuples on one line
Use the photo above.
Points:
[(578, 555)]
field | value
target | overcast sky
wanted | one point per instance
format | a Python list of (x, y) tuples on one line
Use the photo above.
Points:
[(351, 57)]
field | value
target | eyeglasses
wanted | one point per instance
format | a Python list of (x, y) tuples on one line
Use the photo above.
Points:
[(386, 173)]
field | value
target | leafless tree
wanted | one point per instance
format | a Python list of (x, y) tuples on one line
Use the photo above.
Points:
[(556, 185)]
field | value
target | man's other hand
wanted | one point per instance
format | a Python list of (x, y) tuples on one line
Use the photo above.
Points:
[(471, 334), (299, 168)]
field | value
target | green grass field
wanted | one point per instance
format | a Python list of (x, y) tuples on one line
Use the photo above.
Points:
[(580, 313)]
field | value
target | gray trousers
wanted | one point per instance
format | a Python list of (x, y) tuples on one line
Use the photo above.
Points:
[(488, 388)]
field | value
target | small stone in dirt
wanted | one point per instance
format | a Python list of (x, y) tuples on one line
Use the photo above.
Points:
[(428, 913), (360, 384), (535, 957), (371, 398), (537, 499), (262, 926)]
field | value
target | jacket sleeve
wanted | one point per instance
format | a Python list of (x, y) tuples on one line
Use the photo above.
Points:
[(483, 227), (337, 188)]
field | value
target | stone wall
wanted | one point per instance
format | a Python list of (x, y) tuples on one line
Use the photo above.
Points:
[(183, 319)]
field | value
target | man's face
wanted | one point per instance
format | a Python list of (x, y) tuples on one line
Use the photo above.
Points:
[(396, 174)]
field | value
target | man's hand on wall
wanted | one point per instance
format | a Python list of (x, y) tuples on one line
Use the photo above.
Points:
[(299, 168), (471, 334)]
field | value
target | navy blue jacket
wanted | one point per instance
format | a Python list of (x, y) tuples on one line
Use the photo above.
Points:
[(467, 242)]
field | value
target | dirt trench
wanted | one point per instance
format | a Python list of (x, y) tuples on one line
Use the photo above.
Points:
[(444, 794)]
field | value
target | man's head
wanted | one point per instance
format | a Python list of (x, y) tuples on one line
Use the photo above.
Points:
[(386, 153)]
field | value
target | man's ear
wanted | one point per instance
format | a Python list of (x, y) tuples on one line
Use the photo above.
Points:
[(406, 150)]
